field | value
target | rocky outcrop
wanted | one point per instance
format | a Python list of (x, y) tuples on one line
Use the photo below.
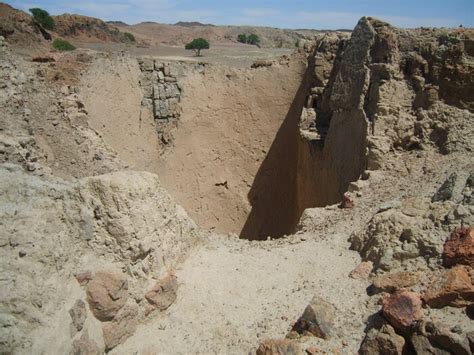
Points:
[(396, 236), (91, 220)]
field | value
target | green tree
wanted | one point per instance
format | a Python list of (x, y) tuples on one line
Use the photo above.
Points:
[(197, 45), (42, 18), (253, 39), (242, 38)]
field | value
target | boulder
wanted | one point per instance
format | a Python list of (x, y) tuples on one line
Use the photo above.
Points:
[(451, 288), (317, 319), (395, 281), (384, 341), (78, 314), (121, 327), (107, 293), (163, 293), (279, 347), (402, 308), (459, 248)]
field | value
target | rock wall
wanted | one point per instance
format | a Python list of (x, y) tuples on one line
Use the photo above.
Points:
[(376, 93), (162, 94)]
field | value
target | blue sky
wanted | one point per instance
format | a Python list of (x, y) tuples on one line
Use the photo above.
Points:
[(324, 14)]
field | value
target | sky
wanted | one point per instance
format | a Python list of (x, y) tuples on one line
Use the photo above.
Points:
[(325, 14)]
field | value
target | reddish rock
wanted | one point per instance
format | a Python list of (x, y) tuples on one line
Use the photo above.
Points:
[(163, 294), (347, 202), (459, 248), (83, 277), (312, 350), (402, 308), (395, 281), (452, 288), (362, 271), (279, 347), (107, 293), (121, 327)]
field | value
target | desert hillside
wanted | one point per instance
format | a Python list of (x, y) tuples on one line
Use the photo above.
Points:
[(317, 200), (183, 32)]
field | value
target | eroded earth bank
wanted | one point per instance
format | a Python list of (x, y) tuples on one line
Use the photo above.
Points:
[(315, 203)]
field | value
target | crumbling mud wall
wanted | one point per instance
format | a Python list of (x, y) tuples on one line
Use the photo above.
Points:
[(161, 86)]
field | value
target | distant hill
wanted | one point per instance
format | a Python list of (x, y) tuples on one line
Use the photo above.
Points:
[(117, 23), (15, 23), (183, 32), (193, 24)]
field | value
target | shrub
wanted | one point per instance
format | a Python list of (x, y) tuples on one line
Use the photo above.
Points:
[(249, 39), (62, 45), (42, 18), (253, 39), (129, 37), (242, 38), (197, 45), (297, 43)]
